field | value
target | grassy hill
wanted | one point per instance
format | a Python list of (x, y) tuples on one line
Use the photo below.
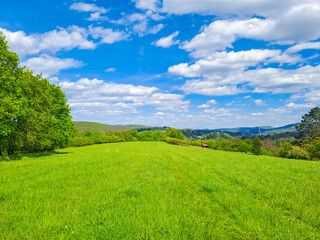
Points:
[(152, 190), (100, 127), (262, 129)]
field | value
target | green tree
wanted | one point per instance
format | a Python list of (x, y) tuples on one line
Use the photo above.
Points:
[(34, 115), (309, 128), (174, 133), (314, 148), (257, 146)]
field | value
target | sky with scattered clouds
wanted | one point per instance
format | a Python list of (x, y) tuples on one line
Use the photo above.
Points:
[(181, 63)]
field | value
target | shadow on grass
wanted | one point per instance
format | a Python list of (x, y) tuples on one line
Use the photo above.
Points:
[(30, 155)]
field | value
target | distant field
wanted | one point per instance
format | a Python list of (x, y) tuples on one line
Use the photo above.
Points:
[(153, 190), (100, 127)]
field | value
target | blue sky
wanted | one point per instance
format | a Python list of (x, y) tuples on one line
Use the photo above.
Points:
[(186, 64)]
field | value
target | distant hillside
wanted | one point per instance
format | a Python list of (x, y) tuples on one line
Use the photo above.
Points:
[(100, 127), (263, 129)]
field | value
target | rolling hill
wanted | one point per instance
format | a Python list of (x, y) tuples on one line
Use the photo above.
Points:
[(263, 129), (100, 127)]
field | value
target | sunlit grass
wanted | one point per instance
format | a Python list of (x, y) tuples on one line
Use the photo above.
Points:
[(152, 190)]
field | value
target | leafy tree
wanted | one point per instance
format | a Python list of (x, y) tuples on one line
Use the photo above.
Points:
[(246, 146), (257, 146), (314, 148), (34, 115), (174, 133), (309, 128)]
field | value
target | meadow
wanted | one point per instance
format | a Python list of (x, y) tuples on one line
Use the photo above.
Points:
[(153, 190)]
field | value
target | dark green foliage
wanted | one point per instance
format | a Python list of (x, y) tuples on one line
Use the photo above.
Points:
[(314, 149), (257, 146), (174, 133), (246, 146), (34, 115), (285, 149), (309, 128)]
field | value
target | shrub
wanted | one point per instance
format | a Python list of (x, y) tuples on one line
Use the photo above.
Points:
[(174, 133), (298, 153)]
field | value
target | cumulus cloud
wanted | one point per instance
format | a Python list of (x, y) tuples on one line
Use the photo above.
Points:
[(96, 12), (226, 62), (288, 29), (208, 104), (49, 66), (86, 7), (52, 41), (95, 95), (168, 41), (146, 4), (301, 105), (107, 35), (274, 80)]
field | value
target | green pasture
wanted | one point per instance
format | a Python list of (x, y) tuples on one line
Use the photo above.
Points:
[(153, 190)]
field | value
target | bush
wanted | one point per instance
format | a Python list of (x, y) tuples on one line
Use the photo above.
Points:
[(211, 143), (175, 133), (294, 152), (298, 153), (174, 141)]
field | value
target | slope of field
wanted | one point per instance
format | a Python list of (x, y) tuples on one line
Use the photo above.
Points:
[(100, 127), (152, 190), (262, 129)]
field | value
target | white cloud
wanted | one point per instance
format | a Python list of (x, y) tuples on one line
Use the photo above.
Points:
[(212, 101), (97, 17), (312, 96), (210, 88), (48, 65), (208, 104), (221, 7), (257, 114), (289, 28), (260, 102), (203, 106), (226, 62), (107, 35), (53, 41), (146, 4), (139, 23), (110, 70), (86, 7), (274, 80), (301, 105), (95, 95), (168, 41), (302, 46)]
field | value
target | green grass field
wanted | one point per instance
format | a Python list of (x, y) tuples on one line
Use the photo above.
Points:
[(152, 190)]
